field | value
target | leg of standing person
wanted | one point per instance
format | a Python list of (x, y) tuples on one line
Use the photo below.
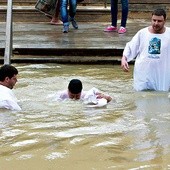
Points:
[(72, 13), (55, 19), (114, 12), (125, 9), (64, 15)]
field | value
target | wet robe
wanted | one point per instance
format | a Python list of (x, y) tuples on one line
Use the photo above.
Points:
[(152, 65), (8, 99)]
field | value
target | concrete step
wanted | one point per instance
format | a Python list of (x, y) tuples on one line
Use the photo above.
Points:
[(33, 2), (64, 59), (86, 13), (42, 42), (30, 14)]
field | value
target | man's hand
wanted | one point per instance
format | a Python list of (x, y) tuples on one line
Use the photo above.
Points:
[(101, 95), (124, 64)]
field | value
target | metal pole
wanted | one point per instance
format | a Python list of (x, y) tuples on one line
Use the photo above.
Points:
[(9, 32)]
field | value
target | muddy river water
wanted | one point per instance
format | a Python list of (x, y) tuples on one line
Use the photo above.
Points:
[(132, 132)]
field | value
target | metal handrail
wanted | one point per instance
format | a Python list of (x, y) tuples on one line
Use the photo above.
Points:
[(9, 34)]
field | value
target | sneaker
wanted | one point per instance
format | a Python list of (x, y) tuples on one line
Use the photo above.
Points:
[(65, 28), (110, 29), (74, 24), (122, 30)]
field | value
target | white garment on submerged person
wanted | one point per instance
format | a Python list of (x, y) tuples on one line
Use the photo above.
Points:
[(63, 95), (8, 99), (91, 99), (88, 97), (152, 65)]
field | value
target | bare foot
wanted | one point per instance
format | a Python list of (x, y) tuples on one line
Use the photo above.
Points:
[(56, 22)]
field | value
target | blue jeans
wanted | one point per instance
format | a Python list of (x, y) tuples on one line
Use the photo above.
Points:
[(114, 12), (64, 12)]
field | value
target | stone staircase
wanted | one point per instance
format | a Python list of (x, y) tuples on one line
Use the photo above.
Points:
[(24, 11), (36, 41)]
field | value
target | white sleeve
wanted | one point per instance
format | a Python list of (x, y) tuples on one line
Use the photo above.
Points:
[(10, 104), (90, 96), (132, 47), (60, 95)]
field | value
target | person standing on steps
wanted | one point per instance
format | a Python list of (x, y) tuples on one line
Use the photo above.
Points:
[(55, 19), (51, 9), (68, 15), (114, 13)]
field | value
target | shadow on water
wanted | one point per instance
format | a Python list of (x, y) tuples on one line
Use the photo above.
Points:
[(132, 132)]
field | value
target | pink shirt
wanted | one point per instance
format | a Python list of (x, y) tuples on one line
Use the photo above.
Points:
[(63, 95)]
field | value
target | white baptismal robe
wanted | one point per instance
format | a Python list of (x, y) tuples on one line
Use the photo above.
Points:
[(8, 99), (91, 100), (152, 65)]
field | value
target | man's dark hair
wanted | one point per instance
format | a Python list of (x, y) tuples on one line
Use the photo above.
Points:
[(75, 86), (159, 12), (7, 71)]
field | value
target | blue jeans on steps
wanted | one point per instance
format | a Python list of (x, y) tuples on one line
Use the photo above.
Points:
[(68, 14)]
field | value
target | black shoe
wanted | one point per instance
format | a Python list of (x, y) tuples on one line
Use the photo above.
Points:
[(65, 28), (74, 24)]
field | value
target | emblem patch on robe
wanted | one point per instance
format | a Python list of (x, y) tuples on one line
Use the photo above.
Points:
[(154, 46)]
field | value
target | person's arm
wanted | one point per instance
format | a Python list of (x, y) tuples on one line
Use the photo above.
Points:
[(10, 104), (131, 50), (94, 92), (101, 95)]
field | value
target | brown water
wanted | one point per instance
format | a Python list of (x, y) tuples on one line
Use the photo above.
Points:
[(132, 132)]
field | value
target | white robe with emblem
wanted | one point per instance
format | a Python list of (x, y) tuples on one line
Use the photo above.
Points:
[(152, 65)]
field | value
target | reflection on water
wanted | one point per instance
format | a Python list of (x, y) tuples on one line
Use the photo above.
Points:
[(132, 132)]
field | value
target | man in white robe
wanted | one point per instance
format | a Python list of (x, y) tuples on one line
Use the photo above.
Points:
[(8, 79), (150, 48)]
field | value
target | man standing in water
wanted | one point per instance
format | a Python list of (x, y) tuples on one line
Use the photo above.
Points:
[(8, 79), (151, 48)]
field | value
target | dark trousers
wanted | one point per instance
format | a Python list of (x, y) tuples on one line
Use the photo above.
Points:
[(114, 12)]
